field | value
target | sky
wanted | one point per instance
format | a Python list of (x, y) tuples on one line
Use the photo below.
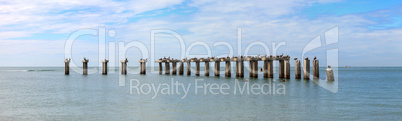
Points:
[(36, 33)]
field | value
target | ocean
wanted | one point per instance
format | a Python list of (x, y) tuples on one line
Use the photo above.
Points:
[(46, 93)]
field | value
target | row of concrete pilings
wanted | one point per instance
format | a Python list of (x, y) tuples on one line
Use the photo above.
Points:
[(284, 66)]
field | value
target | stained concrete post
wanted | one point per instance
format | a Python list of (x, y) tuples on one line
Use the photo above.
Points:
[(281, 68), (167, 67), (160, 67), (297, 69), (316, 69), (206, 68), (228, 69), (188, 68), (265, 69), (104, 66), (124, 66), (197, 68), (174, 68), (306, 69), (67, 66), (251, 70), (270, 69), (85, 66), (287, 69), (330, 74), (255, 69), (217, 68), (143, 66), (241, 68), (237, 69), (181, 68)]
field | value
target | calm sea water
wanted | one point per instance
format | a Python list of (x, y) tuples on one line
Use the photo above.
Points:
[(48, 94)]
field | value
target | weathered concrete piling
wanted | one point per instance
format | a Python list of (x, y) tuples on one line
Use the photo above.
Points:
[(197, 66), (143, 66), (330, 74), (239, 66), (181, 68), (167, 67), (306, 68), (268, 66), (104, 66), (160, 67), (253, 66), (316, 68), (217, 67), (188, 67), (206, 61), (237, 69), (255, 69), (297, 69), (124, 66), (281, 69), (228, 69), (85, 66), (174, 66), (287, 68), (67, 66)]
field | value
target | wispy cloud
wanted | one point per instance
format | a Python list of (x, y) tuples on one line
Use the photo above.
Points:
[(362, 32)]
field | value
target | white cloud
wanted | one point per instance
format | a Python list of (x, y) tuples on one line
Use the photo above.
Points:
[(212, 21)]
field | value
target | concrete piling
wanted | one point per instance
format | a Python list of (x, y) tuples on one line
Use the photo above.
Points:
[(160, 67), (143, 66), (330, 74), (206, 61), (228, 68), (306, 68), (104, 66), (255, 69), (237, 69), (241, 68), (197, 68), (297, 69), (281, 68), (270, 67), (254, 65), (265, 69), (174, 67), (167, 68), (67, 66), (316, 69), (217, 68), (251, 68), (206, 68), (287, 69), (124, 66), (188, 68), (85, 66), (181, 68)]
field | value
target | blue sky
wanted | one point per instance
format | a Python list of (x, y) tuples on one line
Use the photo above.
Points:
[(34, 33)]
